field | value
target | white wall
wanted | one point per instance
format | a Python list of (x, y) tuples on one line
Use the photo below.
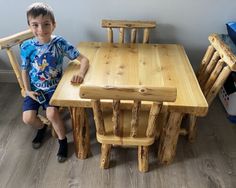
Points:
[(188, 22)]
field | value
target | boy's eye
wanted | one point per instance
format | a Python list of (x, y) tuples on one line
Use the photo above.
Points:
[(34, 25)]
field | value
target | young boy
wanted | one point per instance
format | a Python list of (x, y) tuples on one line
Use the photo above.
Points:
[(42, 58)]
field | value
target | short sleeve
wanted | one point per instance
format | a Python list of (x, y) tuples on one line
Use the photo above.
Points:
[(68, 49), (24, 56)]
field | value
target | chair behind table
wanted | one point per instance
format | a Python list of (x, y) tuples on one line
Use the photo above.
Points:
[(124, 26)]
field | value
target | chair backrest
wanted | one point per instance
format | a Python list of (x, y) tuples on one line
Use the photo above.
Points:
[(132, 26), (135, 93), (215, 67), (9, 42)]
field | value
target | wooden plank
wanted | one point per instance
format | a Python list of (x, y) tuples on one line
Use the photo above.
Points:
[(128, 92), (128, 24)]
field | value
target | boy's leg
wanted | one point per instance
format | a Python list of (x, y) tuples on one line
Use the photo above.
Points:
[(30, 109), (30, 118), (54, 116)]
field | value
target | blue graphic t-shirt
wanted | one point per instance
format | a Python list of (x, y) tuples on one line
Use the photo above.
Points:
[(44, 61)]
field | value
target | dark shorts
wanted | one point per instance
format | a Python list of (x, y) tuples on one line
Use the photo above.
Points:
[(30, 104)]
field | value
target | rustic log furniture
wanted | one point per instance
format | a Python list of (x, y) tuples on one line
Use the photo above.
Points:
[(124, 26), (217, 63), (115, 64), (117, 126)]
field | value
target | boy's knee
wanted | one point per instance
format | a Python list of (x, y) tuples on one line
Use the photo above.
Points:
[(28, 119), (52, 113)]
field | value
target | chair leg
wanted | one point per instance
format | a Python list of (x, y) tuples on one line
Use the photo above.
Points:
[(192, 132), (143, 158), (105, 156)]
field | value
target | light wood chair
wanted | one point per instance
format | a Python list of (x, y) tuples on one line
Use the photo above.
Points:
[(8, 43), (117, 126), (132, 26), (216, 65)]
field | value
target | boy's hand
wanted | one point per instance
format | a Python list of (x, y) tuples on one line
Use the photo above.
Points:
[(77, 79), (32, 94)]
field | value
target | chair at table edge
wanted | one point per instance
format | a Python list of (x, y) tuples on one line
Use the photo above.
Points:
[(123, 25), (7, 43), (217, 63), (137, 94)]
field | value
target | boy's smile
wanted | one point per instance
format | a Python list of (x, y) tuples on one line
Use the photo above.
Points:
[(42, 28)]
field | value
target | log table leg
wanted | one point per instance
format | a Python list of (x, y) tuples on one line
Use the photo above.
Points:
[(169, 138), (81, 132), (192, 132)]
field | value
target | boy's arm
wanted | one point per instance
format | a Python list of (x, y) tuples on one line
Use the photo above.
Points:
[(84, 65), (25, 78)]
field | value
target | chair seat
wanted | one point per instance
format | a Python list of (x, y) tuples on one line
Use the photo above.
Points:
[(125, 139)]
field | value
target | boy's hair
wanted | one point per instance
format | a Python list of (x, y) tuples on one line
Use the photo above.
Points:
[(37, 9)]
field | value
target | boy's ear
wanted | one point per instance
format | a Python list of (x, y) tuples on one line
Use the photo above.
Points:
[(55, 24)]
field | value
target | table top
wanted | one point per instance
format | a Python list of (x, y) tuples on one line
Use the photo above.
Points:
[(135, 64)]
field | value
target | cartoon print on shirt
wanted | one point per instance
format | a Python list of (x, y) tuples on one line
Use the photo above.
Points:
[(46, 67)]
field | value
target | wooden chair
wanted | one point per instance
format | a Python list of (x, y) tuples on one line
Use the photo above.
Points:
[(8, 43), (216, 65), (117, 126), (133, 26)]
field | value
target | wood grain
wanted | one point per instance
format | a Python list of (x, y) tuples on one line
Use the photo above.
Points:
[(132, 64)]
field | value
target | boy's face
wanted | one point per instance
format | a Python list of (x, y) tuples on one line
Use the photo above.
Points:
[(42, 28)]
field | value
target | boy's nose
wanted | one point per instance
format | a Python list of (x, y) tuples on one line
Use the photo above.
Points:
[(41, 28)]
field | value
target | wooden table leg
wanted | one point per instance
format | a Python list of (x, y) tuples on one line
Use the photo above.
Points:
[(169, 138), (81, 132), (192, 132)]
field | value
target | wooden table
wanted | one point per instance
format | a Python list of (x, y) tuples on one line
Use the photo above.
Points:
[(133, 64)]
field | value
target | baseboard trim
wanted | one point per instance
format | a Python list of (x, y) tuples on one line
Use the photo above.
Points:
[(7, 76)]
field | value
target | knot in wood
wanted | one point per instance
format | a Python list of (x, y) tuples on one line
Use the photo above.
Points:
[(142, 90)]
